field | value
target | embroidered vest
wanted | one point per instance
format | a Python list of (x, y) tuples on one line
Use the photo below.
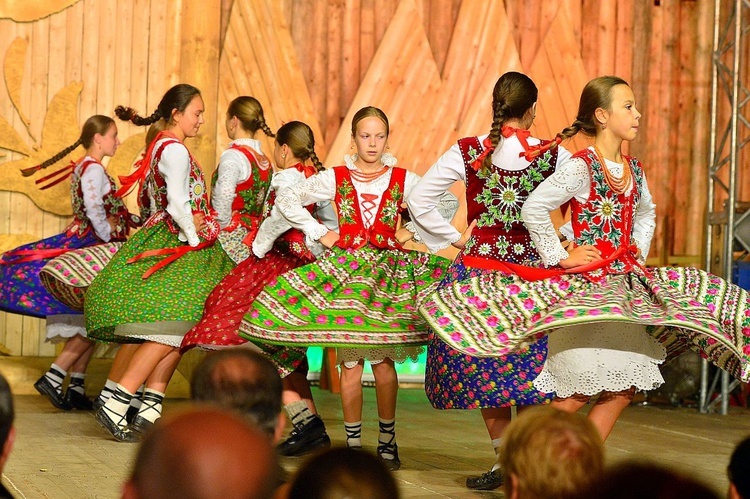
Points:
[(250, 195), (605, 220), (494, 198), (382, 232), (113, 205), (157, 186)]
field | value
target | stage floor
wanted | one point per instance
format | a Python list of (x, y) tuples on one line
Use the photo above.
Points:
[(66, 454)]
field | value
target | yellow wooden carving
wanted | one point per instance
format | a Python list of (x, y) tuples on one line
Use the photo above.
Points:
[(13, 71), (27, 11)]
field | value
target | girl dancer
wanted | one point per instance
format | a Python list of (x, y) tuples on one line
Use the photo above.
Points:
[(361, 294), (133, 298), (500, 170), (598, 308), (98, 216), (277, 248)]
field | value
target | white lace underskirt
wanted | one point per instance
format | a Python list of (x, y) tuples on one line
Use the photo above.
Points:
[(351, 356), (592, 358), (62, 327), (168, 333)]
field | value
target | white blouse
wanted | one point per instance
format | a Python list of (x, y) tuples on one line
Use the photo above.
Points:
[(233, 169), (95, 185), (174, 166), (275, 225), (436, 232), (321, 187), (572, 180)]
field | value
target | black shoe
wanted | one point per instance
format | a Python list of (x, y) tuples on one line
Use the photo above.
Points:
[(131, 414), (121, 434), (392, 464), (98, 403), (44, 386), (78, 401), (141, 425), (307, 438), (486, 481)]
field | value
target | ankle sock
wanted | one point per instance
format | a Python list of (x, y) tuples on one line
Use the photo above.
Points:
[(56, 376), (151, 406), (299, 413), (137, 400), (76, 383), (387, 438), (117, 405), (496, 442), (109, 388), (353, 434)]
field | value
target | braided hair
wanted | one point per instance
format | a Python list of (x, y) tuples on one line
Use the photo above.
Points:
[(299, 138), (250, 114), (96, 124), (596, 94), (178, 97), (512, 97)]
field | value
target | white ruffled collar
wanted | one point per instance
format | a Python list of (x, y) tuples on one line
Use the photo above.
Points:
[(387, 159), (254, 143)]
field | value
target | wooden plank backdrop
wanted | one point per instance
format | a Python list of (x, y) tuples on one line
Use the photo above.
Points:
[(430, 64)]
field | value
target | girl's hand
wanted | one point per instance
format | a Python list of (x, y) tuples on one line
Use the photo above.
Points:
[(199, 220), (580, 255), (461, 243), (404, 235), (329, 240)]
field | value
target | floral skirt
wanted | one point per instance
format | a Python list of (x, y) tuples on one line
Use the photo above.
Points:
[(682, 307), (68, 276), (120, 304), (230, 301), (364, 297), (455, 380), (21, 290)]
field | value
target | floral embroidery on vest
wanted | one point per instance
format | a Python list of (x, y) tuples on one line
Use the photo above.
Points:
[(113, 205), (605, 220), (494, 198), (250, 196), (382, 232)]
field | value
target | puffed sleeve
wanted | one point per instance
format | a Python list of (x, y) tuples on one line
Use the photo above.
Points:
[(571, 179), (231, 171), (95, 185), (174, 166), (644, 221), (275, 224), (430, 204), (292, 201)]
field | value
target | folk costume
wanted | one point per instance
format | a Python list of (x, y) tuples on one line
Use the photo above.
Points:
[(155, 286), (94, 202), (494, 197), (277, 248), (362, 292), (611, 321)]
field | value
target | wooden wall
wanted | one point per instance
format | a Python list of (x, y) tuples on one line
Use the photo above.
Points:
[(430, 64)]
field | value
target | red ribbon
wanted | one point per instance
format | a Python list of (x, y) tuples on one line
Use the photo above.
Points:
[(308, 170), (21, 256), (128, 182), (488, 148), (172, 255), (65, 171), (539, 149), (537, 274)]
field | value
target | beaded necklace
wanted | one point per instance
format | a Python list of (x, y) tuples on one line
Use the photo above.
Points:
[(618, 185), (367, 177)]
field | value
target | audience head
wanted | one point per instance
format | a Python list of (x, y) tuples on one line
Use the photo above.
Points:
[(645, 481), (245, 381), (547, 453), (7, 417), (342, 473), (203, 453), (739, 471)]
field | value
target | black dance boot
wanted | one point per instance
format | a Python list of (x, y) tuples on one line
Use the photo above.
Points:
[(306, 438)]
